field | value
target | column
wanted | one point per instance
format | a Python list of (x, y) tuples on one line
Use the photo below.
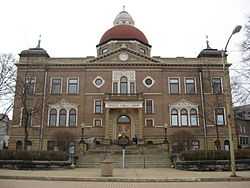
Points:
[(141, 124), (107, 123)]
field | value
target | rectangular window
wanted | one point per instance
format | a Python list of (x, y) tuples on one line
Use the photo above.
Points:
[(115, 87), (73, 86), (244, 140), (149, 106), (174, 85), (217, 86), (190, 85), (98, 106), (30, 86), (26, 118), (56, 86), (97, 122), (132, 88), (195, 145), (219, 116), (149, 123)]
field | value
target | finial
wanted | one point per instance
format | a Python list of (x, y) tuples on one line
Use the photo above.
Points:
[(123, 8), (39, 42), (207, 41)]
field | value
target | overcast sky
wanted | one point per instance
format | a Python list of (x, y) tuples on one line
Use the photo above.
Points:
[(72, 28)]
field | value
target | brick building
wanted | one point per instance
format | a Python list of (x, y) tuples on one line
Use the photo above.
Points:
[(123, 90), (242, 120)]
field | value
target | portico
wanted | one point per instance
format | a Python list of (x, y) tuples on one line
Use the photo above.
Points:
[(123, 117)]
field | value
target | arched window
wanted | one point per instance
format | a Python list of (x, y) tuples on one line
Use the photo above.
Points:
[(124, 85), (184, 117), (52, 117), (174, 117), (62, 117), (72, 118), (193, 117), (123, 119)]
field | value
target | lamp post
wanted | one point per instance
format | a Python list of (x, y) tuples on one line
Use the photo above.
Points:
[(165, 133), (228, 102), (82, 136)]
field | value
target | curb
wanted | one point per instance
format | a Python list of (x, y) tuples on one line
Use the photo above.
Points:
[(119, 179)]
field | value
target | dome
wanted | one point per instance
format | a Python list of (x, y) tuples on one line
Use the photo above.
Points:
[(34, 52), (124, 32)]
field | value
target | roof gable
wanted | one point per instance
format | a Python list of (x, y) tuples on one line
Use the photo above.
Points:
[(134, 56)]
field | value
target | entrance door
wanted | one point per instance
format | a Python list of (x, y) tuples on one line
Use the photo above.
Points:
[(123, 126)]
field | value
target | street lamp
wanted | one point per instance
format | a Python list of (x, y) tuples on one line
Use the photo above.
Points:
[(228, 102)]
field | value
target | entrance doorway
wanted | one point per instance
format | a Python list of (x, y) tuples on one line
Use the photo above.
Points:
[(123, 126)]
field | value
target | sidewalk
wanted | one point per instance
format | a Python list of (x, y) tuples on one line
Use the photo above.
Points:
[(124, 175)]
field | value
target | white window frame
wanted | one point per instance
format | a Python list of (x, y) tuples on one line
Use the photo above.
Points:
[(215, 117), (71, 78), (21, 118), (179, 81), (184, 105), (144, 81), (221, 82), (189, 116), (57, 118), (94, 119), (117, 87), (130, 87), (195, 86), (32, 79), (58, 108), (145, 123), (145, 106), (101, 106), (98, 77), (51, 78), (178, 118)]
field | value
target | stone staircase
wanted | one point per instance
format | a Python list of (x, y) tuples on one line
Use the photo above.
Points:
[(137, 156)]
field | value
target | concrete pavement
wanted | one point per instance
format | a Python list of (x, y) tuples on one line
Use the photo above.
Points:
[(63, 184), (123, 175)]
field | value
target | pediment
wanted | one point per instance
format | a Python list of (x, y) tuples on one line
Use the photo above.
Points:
[(115, 57), (183, 103), (63, 104)]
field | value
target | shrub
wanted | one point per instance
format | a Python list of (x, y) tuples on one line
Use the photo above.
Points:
[(213, 155), (33, 155), (243, 154)]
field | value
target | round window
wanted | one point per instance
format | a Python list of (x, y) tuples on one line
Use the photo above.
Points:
[(148, 81), (98, 81)]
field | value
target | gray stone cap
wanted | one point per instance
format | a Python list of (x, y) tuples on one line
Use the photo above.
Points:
[(210, 52), (34, 52)]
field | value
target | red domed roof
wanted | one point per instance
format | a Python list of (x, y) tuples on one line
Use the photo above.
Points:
[(123, 32)]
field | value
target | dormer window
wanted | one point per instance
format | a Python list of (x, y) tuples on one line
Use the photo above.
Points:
[(105, 50), (143, 51)]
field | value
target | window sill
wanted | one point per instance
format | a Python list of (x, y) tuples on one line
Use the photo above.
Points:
[(73, 94), (56, 94), (191, 93), (58, 127)]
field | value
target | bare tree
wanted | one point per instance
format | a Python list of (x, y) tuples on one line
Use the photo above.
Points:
[(30, 105), (7, 82), (241, 78), (181, 141), (63, 139)]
